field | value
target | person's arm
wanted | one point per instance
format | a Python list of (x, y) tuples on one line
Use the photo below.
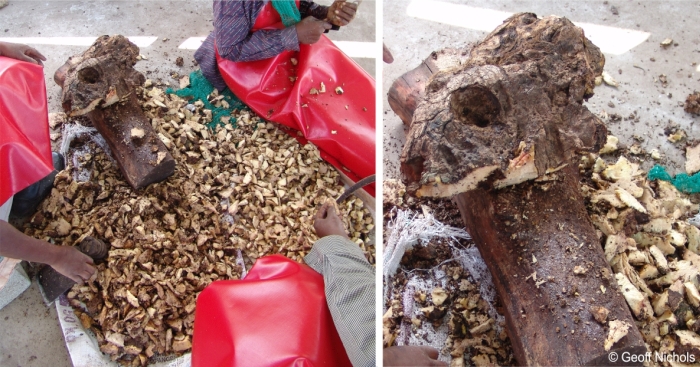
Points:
[(233, 21), (349, 286), (66, 260), (21, 52)]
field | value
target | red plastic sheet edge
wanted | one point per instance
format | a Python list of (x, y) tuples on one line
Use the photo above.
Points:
[(25, 147), (276, 317)]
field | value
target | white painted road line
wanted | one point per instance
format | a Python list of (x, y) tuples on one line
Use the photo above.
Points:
[(610, 40), (457, 15), (350, 48), (613, 40), (192, 43), (358, 49), (73, 41)]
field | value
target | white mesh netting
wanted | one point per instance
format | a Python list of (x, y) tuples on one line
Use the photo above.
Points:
[(241, 263), (408, 229), (71, 132)]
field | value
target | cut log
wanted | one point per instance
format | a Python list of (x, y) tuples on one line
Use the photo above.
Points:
[(408, 90), (101, 83), (501, 134), (546, 301)]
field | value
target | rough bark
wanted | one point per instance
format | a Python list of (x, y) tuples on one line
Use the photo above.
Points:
[(501, 133), (550, 271), (101, 83), (512, 111)]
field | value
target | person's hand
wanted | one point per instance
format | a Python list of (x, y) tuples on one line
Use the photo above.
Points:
[(412, 356), (73, 264), (310, 29), (21, 52), (341, 12), (327, 222)]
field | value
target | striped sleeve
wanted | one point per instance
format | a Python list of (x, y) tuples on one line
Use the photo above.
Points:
[(349, 287), (233, 21)]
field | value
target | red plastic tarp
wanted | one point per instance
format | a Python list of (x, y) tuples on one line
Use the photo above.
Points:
[(25, 148), (342, 126), (276, 317)]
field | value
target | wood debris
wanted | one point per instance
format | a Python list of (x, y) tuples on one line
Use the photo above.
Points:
[(57, 119), (610, 145), (137, 134), (184, 82), (677, 136), (692, 103), (652, 249), (608, 79), (473, 335), (439, 296), (692, 159), (600, 314), (618, 329), (638, 302), (388, 324), (251, 188)]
